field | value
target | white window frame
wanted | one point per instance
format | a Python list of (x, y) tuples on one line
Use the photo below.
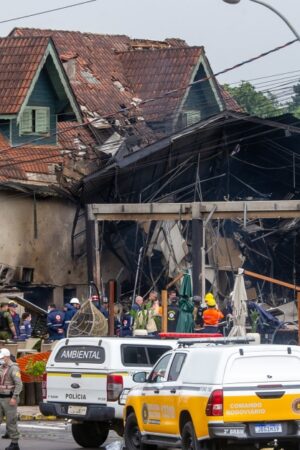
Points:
[(192, 116), (44, 109)]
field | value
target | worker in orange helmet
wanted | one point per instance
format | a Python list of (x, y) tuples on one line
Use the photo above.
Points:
[(211, 316)]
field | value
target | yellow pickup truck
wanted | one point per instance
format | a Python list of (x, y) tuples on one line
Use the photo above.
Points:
[(212, 397)]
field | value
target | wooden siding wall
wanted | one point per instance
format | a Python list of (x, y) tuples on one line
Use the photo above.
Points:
[(201, 97), (42, 95)]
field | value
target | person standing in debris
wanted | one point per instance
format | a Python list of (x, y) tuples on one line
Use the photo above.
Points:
[(55, 323), (15, 316), (211, 316), (10, 388), (7, 328), (25, 327)]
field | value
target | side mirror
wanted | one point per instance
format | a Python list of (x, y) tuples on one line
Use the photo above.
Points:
[(140, 377)]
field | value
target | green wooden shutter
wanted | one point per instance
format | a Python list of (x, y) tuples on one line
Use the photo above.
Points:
[(42, 124), (26, 122)]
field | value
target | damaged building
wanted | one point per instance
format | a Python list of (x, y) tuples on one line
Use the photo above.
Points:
[(70, 103), (230, 156), (95, 118)]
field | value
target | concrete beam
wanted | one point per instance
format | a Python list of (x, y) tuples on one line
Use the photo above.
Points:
[(277, 209)]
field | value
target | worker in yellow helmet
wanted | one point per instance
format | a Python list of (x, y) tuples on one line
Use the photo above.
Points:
[(211, 316)]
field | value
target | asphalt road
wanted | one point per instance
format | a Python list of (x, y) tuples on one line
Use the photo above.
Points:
[(52, 436)]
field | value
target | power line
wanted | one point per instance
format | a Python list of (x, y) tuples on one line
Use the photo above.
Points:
[(266, 76), (47, 11)]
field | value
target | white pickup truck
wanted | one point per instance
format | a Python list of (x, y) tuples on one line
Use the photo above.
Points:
[(86, 376)]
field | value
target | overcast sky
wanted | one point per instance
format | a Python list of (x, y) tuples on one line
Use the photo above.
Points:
[(229, 33)]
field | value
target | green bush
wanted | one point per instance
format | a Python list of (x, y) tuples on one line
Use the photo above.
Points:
[(35, 368)]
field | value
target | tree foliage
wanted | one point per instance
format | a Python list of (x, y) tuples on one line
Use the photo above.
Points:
[(294, 106), (255, 102)]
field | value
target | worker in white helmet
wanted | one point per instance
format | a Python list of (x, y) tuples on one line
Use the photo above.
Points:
[(70, 309), (75, 303)]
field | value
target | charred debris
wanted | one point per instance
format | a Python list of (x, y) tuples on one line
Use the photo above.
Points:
[(230, 156)]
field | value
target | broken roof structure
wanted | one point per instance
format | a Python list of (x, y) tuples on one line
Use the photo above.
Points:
[(231, 156), (129, 93), (133, 92)]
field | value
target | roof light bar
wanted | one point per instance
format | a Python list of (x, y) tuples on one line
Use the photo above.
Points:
[(224, 341)]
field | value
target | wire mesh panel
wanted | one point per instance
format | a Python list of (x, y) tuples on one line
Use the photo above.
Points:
[(88, 321)]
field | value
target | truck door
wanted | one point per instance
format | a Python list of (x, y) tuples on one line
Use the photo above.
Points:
[(154, 397), (172, 391)]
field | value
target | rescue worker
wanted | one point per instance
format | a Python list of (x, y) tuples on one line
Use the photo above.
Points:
[(12, 307), (173, 312), (211, 316), (55, 323), (70, 312), (198, 312), (7, 328), (172, 298), (75, 303), (10, 389)]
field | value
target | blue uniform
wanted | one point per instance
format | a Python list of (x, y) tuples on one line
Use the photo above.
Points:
[(101, 309), (55, 324), (69, 314), (25, 330)]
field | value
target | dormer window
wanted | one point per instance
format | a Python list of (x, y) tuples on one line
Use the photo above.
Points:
[(35, 120)]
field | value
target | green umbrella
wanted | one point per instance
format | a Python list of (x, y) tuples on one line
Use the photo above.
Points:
[(185, 322)]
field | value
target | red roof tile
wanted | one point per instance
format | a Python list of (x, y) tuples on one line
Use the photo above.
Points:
[(19, 60), (153, 73), (96, 66), (109, 73), (230, 102), (16, 162), (19, 163)]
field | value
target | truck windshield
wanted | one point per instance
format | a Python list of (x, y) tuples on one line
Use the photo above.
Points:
[(262, 369)]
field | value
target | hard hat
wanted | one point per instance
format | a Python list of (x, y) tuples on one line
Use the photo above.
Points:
[(208, 297), (4, 352), (211, 302), (74, 301)]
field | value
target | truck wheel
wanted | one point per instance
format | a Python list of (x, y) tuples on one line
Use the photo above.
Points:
[(90, 434), (188, 437), (132, 435)]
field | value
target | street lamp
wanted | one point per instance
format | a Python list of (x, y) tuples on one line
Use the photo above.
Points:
[(234, 2)]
